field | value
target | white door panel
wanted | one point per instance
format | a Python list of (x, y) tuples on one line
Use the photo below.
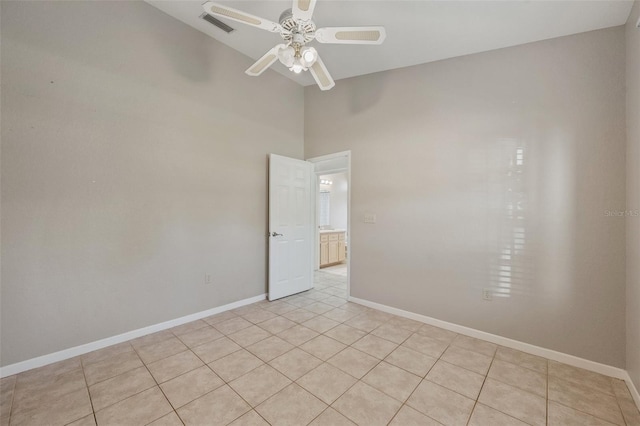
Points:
[(290, 226)]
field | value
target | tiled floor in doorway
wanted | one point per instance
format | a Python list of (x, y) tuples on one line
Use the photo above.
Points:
[(312, 358), (339, 269)]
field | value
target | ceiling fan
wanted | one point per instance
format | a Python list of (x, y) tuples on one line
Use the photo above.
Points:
[(297, 29)]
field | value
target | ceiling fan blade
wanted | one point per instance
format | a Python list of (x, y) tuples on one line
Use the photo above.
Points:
[(265, 62), (240, 16), (351, 35), (321, 75), (303, 9)]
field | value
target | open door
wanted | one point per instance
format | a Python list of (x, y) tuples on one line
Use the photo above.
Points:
[(291, 225)]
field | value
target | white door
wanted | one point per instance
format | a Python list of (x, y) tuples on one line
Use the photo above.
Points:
[(291, 226)]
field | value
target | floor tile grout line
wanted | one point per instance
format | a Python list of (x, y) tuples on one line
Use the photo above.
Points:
[(322, 412), (514, 386), (521, 366), (547, 401), (486, 376), (266, 421), (15, 388), (175, 409), (575, 383), (122, 372), (475, 403), (624, 418), (130, 396), (93, 411), (172, 411), (159, 388), (423, 379), (328, 405), (380, 362), (584, 412), (326, 362), (190, 331), (252, 408), (348, 389), (13, 397), (256, 411)]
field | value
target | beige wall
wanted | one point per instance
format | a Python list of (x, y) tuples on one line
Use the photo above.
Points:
[(633, 194), (435, 157), (134, 154), (134, 162)]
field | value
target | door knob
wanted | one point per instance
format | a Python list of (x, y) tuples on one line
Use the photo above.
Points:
[(275, 234)]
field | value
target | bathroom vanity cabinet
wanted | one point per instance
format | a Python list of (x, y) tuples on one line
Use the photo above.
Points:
[(332, 247)]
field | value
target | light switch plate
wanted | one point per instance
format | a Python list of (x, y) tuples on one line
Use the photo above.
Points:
[(369, 218)]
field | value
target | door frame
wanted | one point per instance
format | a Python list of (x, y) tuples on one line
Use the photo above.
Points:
[(316, 200)]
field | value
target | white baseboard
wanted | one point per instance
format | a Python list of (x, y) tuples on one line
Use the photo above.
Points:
[(40, 361), (597, 367)]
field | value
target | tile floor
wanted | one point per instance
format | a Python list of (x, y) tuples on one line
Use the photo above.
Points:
[(316, 359), (340, 269)]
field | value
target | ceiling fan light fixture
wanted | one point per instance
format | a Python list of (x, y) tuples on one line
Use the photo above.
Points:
[(308, 56), (297, 67), (287, 56)]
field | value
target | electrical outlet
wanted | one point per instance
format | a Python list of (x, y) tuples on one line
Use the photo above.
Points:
[(369, 218), (208, 279), (486, 294)]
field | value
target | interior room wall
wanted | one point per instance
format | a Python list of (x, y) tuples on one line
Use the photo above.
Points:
[(337, 199), (633, 194), (134, 162), (500, 171)]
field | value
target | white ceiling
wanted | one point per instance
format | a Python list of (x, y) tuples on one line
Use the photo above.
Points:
[(417, 31)]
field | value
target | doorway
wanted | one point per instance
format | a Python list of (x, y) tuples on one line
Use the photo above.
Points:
[(333, 242)]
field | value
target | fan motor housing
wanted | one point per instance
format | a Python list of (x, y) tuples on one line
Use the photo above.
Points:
[(297, 31)]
